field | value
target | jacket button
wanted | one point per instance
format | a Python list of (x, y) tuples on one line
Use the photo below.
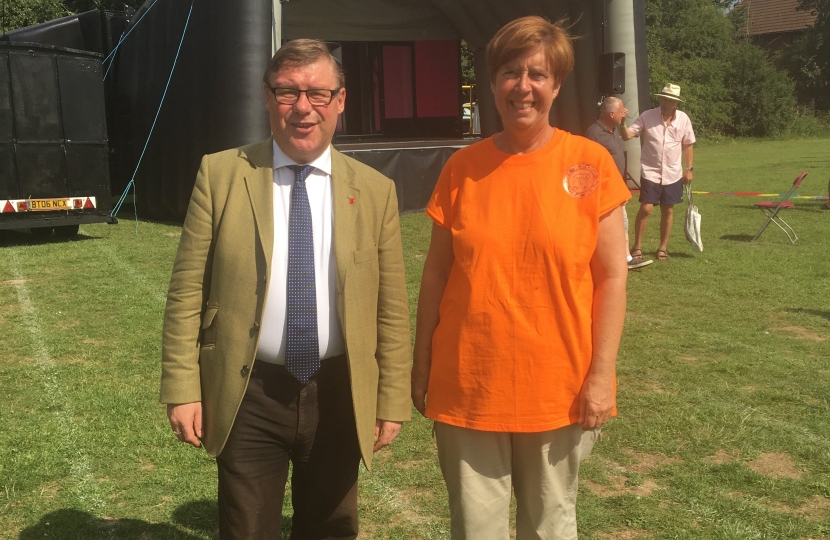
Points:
[(256, 326), (244, 371)]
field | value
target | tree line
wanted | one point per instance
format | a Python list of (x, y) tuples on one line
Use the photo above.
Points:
[(731, 86)]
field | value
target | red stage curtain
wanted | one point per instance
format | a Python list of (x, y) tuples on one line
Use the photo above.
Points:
[(397, 81), (436, 78)]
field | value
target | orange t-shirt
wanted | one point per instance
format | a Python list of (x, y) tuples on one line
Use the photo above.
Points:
[(513, 345)]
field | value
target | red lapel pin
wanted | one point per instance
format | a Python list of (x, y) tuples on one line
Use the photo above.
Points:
[(351, 200)]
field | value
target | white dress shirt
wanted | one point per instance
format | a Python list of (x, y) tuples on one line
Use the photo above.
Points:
[(273, 332), (662, 145)]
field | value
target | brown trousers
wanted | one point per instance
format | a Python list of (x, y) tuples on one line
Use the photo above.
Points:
[(313, 427)]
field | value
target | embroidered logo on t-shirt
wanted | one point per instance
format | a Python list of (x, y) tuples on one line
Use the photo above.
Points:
[(581, 180)]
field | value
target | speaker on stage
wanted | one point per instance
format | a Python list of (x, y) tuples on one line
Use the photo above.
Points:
[(612, 73)]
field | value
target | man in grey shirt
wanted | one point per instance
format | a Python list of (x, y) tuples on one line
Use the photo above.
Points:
[(604, 131)]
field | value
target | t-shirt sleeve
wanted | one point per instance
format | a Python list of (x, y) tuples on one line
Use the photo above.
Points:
[(439, 208), (637, 126), (689, 135), (613, 191)]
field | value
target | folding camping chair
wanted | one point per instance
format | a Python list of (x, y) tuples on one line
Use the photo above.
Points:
[(771, 209)]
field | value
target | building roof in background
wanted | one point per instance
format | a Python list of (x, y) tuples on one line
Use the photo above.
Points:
[(772, 16)]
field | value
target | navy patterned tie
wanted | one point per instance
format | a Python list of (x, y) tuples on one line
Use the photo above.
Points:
[(302, 352)]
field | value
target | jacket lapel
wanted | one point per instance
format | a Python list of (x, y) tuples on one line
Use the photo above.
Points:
[(345, 202), (260, 185)]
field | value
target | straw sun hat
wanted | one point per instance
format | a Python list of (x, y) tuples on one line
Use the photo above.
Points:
[(670, 91)]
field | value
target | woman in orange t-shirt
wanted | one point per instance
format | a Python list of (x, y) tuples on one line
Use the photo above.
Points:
[(522, 302)]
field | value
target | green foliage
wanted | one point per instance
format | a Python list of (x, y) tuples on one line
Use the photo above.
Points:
[(807, 59), (468, 70), (19, 13), (763, 96), (728, 85), (808, 123)]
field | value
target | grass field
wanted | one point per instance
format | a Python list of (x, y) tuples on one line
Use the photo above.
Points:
[(724, 381)]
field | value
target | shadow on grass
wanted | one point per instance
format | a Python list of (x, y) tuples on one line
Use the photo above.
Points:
[(203, 516), (68, 524), (15, 238), (738, 237), (195, 520), (200, 516), (816, 312), (672, 255)]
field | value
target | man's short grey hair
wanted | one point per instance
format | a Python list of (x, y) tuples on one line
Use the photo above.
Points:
[(610, 105)]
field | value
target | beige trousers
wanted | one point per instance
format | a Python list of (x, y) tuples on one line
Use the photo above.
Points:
[(480, 467)]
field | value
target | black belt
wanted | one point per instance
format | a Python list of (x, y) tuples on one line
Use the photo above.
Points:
[(263, 368)]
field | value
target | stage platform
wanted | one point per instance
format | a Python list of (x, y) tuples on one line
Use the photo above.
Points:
[(414, 164)]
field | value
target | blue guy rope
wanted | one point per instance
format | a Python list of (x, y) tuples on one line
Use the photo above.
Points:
[(131, 183), (123, 37)]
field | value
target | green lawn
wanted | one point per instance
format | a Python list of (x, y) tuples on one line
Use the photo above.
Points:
[(724, 381)]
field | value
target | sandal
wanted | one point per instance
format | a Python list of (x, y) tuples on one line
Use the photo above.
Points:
[(636, 253), (662, 255)]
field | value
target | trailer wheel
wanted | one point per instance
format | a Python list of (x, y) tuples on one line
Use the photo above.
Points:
[(41, 232), (66, 231)]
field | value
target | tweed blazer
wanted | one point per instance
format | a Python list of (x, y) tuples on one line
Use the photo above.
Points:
[(220, 279)]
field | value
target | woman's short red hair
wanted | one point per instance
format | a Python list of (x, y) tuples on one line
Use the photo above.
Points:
[(525, 35)]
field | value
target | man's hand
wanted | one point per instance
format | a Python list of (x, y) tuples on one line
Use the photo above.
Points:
[(624, 113), (385, 432), (687, 177), (186, 421), (597, 401)]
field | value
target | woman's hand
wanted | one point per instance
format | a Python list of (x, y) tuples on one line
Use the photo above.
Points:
[(420, 381), (437, 269), (597, 401)]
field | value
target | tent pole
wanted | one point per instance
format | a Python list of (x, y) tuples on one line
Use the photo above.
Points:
[(486, 101), (622, 39), (276, 26)]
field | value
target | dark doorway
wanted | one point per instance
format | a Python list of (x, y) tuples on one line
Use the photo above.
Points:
[(401, 90)]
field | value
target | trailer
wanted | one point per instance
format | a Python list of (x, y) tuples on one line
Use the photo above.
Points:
[(54, 155)]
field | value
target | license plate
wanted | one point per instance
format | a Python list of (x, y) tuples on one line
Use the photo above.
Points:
[(46, 205)]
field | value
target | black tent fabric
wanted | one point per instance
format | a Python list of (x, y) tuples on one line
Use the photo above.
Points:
[(365, 20), (214, 100)]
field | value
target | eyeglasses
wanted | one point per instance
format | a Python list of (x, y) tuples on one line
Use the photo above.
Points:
[(315, 96)]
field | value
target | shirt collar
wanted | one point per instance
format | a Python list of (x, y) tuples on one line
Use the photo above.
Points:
[(672, 120), (322, 163), (605, 129)]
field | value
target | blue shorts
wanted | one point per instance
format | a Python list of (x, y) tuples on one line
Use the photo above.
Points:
[(653, 193)]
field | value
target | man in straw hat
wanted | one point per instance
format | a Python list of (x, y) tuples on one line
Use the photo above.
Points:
[(667, 134)]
